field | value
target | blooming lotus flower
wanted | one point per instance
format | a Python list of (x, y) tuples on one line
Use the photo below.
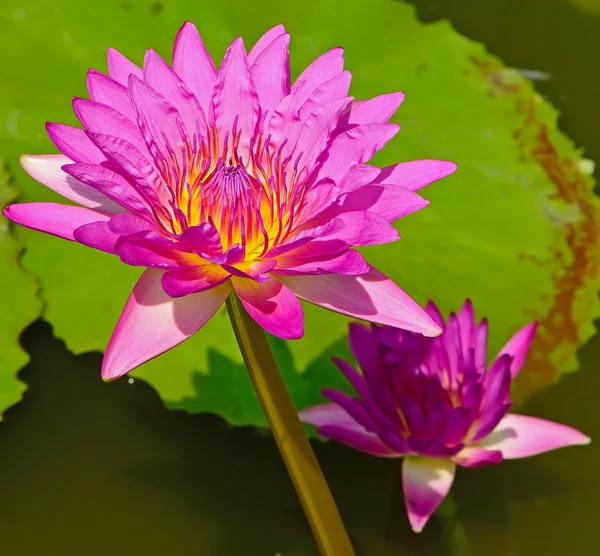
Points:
[(434, 402), (230, 179)]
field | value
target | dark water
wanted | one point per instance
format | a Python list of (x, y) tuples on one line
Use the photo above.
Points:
[(91, 469)]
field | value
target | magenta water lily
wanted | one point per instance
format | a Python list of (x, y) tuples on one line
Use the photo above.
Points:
[(231, 179), (435, 402)]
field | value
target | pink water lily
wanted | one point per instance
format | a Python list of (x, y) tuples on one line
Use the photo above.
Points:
[(435, 402), (231, 180)]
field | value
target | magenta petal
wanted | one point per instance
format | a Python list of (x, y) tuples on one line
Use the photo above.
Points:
[(365, 228), (185, 281), (416, 174), (273, 306), (425, 482), (74, 143), (325, 67), (235, 98), (152, 323), (391, 202), (266, 40), (47, 169), (372, 297), (110, 184), (334, 88), (518, 346), (98, 118), (477, 457), (334, 423), (192, 62), (350, 263), (376, 110), (53, 218), (107, 91), (355, 146), (160, 77), (271, 73), (120, 68), (520, 436)]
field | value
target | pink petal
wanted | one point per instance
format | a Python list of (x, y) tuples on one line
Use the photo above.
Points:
[(120, 68), (425, 482), (376, 110), (355, 146), (372, 297), (520, 436), (181, 282), (52, 218), (266, 40), (159, 121), (273, 306), (47, 169), (325, 67), (109, 184), (391, 202), (235, 98), (316, 129), (518, 347), (271, 73), (152, 323), (416, 174), (107, 91), (477, 457), (160, 77), (333, 422), (104, 235), (365, 228), (192, 62), (334, 88), (466, 324), (136, 166), (349, 263), (74, 143), (98, 118)]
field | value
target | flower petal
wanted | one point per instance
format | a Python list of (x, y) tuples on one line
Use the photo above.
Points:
[(107, 91), (47, 169), (192, 62), (349, 263), (74, 143), (109, 184), (425, 482), (518, 346), (334, 423), (477, 457), (185, 281), (120, 68), (234, 98), (372, 297), (160, 77), (355, 146), (416, 174), (334, 88), (520, 436), (271, 72), (53, 218), (376, 110), (272, 305), (152, 323), (266, 40)]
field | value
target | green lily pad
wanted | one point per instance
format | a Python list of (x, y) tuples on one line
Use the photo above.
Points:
[(516, 229), (18, 304)]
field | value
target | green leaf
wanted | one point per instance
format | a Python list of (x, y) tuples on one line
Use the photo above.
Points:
[(516, 229), (18, 304)]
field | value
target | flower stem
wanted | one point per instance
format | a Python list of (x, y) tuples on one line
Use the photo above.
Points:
[(303, 468)]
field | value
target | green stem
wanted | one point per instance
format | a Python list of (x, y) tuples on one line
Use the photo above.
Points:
[(301, 463)]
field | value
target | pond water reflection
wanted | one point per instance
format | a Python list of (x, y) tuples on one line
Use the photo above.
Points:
[(87, 468)]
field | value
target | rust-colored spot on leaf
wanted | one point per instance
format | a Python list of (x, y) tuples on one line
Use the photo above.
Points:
[(574, 257)]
